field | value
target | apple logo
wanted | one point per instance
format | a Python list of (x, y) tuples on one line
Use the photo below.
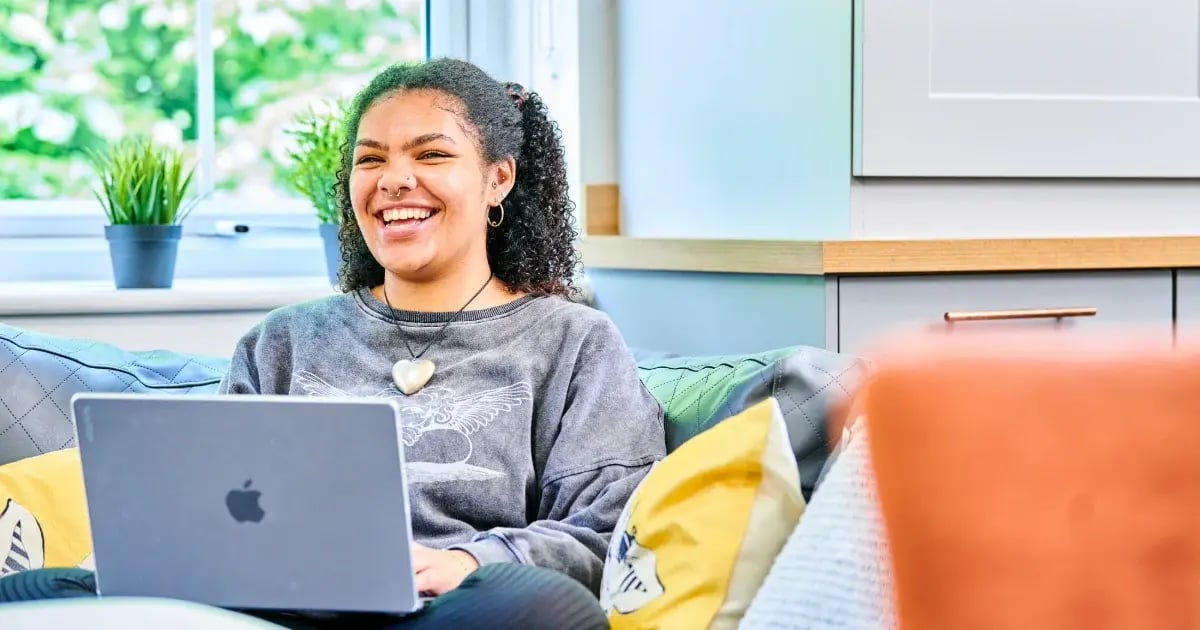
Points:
[(243, 504)]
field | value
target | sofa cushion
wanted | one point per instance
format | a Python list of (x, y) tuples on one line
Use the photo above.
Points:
[(699, 534), (834, 570), (39, 373), (698, 392)]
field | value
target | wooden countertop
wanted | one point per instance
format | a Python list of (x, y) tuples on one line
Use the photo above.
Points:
[(890, 256)]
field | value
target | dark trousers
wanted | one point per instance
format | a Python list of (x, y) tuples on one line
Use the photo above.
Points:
[(496, 596)]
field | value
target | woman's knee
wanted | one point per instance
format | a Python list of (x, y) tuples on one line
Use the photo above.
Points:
[(523, 596), (38, 584)]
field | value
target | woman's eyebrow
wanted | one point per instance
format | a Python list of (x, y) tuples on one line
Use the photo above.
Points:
[(374, 144), (426, 138), (415, 142)]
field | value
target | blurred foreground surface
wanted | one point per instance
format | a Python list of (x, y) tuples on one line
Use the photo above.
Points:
[(1038, 479)]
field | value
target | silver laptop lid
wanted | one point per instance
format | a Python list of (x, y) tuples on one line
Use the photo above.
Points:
[(257, 502)]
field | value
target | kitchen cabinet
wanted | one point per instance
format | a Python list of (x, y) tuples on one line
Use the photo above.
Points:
[(869, 307), (1027, 88)]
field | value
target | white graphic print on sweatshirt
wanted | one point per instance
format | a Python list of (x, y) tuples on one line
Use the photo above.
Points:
[(437, 409)]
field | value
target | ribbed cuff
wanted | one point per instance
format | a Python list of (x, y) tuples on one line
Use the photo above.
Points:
[(488, 550)]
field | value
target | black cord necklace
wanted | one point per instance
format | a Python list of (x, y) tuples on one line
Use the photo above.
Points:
[(410, 375)]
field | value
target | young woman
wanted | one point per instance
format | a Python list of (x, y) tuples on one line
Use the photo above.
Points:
[(525, 424), (526, 427)]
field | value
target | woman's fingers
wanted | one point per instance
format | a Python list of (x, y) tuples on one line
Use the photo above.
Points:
[(440, 571), (422, 558), (432, 582), (423, 584)]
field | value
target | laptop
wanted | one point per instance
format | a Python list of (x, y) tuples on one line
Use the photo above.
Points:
[(248, 502)]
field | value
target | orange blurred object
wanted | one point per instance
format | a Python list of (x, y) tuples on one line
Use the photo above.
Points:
[(1039, 480)]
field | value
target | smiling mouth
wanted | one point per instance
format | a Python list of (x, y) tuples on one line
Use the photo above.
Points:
[(406, 216)]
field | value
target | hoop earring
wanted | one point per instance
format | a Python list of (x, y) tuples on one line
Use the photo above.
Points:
[(497, 223)]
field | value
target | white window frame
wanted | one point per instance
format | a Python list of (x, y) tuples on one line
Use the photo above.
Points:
[(534, 42)]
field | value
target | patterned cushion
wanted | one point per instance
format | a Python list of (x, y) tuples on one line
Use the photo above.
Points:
[(698, 392), (39, 373), (43, 514), (737, 520)]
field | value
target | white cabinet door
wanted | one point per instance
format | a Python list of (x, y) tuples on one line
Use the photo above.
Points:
[(1028, 88)]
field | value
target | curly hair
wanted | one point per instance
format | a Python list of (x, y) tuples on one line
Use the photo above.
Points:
[(533, 249)]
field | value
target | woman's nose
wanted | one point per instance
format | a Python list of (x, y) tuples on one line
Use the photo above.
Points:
[(395, 179)]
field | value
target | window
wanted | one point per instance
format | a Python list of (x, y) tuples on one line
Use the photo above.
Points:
[(74, 75), (221, 79), (271, 60)]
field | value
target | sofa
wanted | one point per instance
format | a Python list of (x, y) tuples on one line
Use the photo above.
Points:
[(39, 374)]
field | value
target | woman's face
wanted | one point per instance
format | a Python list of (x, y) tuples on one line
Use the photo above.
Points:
[(419, 187)]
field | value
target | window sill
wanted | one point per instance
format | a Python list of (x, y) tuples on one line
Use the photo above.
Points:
[(188, 295), (59, 261)]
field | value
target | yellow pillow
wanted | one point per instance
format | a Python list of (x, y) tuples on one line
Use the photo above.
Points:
[(700, 532), (43, 516)]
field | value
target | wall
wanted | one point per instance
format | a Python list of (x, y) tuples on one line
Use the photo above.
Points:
[(734, 118)]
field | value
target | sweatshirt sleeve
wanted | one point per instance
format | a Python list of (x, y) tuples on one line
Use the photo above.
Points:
[(610, 434), (242, 375)]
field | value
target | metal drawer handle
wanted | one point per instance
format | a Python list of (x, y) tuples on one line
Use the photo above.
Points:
[(1027, 313)]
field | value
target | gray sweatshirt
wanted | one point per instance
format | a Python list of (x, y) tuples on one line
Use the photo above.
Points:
[(524, 445)]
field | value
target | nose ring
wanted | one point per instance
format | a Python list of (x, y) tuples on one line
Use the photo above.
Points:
[(409, 182)]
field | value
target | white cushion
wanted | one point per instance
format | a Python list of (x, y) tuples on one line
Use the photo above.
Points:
[(834, 571)]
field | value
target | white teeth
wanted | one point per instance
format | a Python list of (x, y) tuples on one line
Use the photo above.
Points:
[(401, 214)]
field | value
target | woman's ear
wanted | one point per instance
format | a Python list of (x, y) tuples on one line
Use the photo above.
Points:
[(504, 176)]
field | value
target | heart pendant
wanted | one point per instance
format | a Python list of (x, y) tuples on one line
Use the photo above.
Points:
[(411, 376)]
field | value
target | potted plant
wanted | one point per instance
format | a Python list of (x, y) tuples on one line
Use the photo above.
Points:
[(313, 172), (143, 190)]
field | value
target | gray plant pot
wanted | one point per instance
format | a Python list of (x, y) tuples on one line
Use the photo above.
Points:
[(143, 256), (333, 251)]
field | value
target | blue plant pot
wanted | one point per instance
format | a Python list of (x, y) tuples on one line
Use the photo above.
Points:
[(333, 251), (143, 256)]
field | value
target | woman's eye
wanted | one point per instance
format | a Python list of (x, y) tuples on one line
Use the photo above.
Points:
[(432, 155), (365, 159)]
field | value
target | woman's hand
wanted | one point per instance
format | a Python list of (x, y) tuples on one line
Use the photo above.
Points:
[(440, 571)]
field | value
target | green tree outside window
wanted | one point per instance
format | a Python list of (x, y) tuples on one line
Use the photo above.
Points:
[(78, 74)]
